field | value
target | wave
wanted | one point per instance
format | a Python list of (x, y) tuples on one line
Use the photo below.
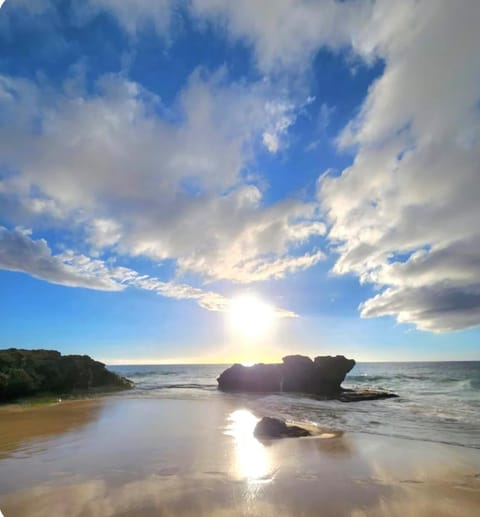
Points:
[(149, 373), (207, 387), (399, 376), (435, 383), (464, 384), (475, 384), (365, 378)]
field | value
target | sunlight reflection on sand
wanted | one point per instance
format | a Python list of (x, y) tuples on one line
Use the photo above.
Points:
[(252, 458), (183, 458)]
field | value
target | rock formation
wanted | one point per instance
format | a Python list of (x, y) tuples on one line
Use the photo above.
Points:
[(257, 378), (269, 427), (27, 372), (297, 373)]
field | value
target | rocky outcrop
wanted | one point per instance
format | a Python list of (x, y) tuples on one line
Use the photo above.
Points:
[(364, 394), (257, 378), (27, 372), (297, 373), (269, 427), (321, 377)]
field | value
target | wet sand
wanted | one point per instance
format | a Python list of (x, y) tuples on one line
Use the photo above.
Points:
[(121, 456)]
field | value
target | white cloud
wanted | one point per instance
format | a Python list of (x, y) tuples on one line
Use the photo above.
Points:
[(405, 214), (206, 299), (270, 141), (19, 252), (262, 269), (248, 237), (282, 116), (142, 184), (286, 34)]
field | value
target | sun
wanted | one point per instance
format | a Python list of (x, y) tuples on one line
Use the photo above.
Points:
[(250, 317)]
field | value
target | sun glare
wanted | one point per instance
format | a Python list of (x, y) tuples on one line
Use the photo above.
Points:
[(250, 317), (252, 458)]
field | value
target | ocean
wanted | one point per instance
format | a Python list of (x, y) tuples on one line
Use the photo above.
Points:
[(438, 401)]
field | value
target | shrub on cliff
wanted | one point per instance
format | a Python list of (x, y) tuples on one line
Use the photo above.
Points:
[(25, 372)]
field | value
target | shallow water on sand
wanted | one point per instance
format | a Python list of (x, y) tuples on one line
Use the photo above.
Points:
[(438, 402), (119, 456)]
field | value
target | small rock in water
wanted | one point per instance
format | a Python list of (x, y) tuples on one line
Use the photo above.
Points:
[(269, 427), (359, 395)]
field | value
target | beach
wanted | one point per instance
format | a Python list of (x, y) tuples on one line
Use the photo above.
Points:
[(124, 455)]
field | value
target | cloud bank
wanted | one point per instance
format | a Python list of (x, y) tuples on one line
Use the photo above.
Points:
[(143, 185), (134, 177), (405, 215)]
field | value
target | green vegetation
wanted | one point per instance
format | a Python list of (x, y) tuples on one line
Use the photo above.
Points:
[(28, 372)]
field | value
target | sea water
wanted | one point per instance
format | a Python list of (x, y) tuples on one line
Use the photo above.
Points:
[(438, 401)]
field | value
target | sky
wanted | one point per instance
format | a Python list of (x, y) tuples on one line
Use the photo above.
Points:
[(160, 160)]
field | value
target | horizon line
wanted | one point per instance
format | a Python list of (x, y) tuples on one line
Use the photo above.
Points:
[(251, 363)]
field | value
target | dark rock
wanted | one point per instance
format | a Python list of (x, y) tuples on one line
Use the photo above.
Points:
[(329, 373), (269, 427), (297, 373), (359, 395), (260, 378), (26, 372)]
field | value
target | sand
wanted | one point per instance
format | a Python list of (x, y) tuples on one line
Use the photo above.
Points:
[(121, 456)]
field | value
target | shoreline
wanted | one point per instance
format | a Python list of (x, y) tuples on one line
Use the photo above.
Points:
[(50, 399), (97, 398), (124, 455)]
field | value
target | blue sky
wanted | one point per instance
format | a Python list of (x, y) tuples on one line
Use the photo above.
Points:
[(160, 159)]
